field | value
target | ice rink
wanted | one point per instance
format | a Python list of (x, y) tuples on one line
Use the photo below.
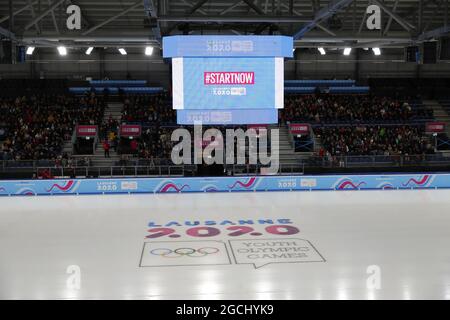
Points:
[(275, 245)]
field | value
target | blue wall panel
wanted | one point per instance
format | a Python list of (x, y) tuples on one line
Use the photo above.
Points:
[(224, 184)]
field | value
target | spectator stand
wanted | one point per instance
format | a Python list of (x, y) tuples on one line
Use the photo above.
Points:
[(116, 87), (324, 86)]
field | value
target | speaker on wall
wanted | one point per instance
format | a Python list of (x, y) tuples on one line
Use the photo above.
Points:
[(430, 52), (6, 52), (444, 49), (412, 54), (20, 54)]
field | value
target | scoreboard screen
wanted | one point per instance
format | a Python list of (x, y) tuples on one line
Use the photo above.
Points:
[(227, 79), (228, 83)]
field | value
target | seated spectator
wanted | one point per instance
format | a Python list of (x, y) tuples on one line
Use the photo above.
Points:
[(148, 109), (349, 109), (45, 174), (36, 126), (374, 140)]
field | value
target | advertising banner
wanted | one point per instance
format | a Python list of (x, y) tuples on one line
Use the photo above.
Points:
[(224, 184), (299, 128), (130, 130), (86, 131), (435, 127)]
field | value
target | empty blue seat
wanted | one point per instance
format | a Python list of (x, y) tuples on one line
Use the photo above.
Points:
[(118, 83), (141, 89), (349, 89), (79, 90), (299, 89), (319, 83)]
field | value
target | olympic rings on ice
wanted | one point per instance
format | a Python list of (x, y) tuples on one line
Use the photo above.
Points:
[(180, 252)]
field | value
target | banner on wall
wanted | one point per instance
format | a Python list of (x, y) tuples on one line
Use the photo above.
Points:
[(435, 127), (224, 184), (130, 130), (299, 128), (86, 131)]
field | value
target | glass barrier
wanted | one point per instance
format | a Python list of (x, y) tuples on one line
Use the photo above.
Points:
[(162, 167)]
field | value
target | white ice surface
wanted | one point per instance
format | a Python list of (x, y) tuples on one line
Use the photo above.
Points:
[(404, 233)]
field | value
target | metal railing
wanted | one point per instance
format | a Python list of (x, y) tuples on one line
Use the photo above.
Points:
[(159, 171), (376, 161), (109, 172), (163, 167), (258, 169), (78, 161)]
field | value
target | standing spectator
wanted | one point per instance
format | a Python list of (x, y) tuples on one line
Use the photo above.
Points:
[(134, 146), (115, 142), (112, 140), (106, 147)]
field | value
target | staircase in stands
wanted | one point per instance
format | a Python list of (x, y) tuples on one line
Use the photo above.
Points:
[(288, 156), (441, 115), (114, 109)]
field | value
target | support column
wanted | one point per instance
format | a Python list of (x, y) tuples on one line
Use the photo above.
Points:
[(356, 69), (101, 60), (295, 63)]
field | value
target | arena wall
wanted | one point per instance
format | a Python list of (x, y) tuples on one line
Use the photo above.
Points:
[(307, 64), (223, 184)]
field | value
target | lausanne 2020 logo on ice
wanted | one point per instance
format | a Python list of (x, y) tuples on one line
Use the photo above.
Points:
[(225, 242)]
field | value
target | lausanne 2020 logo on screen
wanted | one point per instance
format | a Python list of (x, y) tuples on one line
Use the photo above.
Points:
[(229, 46)]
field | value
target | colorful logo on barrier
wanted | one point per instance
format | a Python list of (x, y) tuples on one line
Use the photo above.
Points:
[(26, 192), (251, 182), (348, 184), (210, 188), (168, 186), (2, 189), (422, 182), (65, 187), (386, 186)]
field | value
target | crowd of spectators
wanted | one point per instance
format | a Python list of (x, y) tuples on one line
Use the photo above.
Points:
[(148, 109), (361, 124), (373, 140), (152, 112), (350, 109), (155, 143), (35, 127)]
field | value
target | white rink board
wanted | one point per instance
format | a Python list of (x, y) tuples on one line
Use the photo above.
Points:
[(342, 234)]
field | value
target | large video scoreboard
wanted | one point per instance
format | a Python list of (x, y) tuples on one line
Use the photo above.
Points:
[(227, 79)]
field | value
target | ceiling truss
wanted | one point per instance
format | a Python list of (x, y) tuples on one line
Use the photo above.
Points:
[(310, 22)]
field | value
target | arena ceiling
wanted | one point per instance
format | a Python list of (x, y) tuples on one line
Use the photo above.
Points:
[(327, 23)]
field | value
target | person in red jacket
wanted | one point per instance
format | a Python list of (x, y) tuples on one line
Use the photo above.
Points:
[(134, 146), (106, 147)]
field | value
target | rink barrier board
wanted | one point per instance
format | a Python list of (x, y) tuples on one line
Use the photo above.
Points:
[(224, 184)]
